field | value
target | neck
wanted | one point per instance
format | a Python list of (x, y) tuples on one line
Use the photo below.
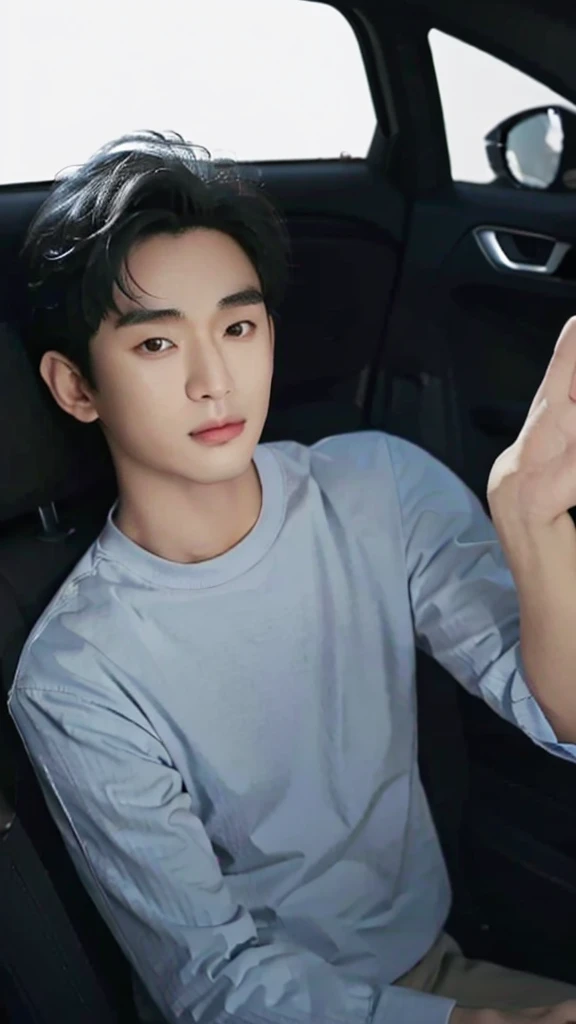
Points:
[(187, 522)]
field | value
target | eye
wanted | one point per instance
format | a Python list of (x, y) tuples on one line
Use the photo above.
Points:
[(241, 329), (155, 342)]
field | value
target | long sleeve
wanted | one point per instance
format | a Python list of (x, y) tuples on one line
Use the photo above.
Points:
[(137, 840), (463, 597)]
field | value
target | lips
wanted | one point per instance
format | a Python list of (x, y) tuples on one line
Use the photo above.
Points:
[(219, 434), (216, 425)]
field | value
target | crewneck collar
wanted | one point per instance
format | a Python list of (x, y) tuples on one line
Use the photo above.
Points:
[(116, 546)]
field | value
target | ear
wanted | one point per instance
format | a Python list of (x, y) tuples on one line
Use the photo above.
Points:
[(67, 387)]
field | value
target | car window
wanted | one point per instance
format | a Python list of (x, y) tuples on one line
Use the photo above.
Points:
[(252, 80), (478, 91)]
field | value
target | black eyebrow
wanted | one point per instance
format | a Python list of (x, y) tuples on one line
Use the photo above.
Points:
[(246, 297), (135, 317)]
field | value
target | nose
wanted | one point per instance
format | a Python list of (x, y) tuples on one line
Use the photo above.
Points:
[(208, 375)]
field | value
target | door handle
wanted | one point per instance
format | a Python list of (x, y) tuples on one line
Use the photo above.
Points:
[(491, 247)]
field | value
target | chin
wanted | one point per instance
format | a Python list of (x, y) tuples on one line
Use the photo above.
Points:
[(219, 465)]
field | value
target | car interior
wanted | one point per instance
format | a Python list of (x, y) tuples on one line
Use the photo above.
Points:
[(419, 305)]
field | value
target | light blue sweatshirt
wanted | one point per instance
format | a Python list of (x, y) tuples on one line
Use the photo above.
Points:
[(229, 747)]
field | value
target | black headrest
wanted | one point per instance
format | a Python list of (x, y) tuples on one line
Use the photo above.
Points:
[(45, 455)]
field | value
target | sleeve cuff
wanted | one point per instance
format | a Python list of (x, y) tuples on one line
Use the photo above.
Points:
[(532, 720), (399, 1005)]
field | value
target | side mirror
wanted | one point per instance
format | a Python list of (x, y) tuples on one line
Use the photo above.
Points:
[(535, 149)]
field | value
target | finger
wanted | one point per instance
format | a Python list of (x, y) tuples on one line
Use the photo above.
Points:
[(561, 1013), (559, 383)]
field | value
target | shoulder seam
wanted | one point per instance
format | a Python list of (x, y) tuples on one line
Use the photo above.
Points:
[(35, 632)]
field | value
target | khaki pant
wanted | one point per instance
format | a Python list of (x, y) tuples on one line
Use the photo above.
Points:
[(444, 971)]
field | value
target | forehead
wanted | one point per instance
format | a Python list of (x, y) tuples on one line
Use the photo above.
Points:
[(193, 269)]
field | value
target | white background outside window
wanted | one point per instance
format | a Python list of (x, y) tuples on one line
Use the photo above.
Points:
[(248, 79)]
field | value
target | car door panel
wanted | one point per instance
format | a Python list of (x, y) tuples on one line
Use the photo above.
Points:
[(486, 334)]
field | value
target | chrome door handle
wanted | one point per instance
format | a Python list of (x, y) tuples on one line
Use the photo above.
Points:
[(487, 239)]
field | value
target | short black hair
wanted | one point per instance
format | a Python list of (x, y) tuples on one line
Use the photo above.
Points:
[(139, 185)]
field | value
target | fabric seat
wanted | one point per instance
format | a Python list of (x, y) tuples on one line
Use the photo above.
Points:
[(57, 488)]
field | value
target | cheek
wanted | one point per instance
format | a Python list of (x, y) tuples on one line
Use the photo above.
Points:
[(132, 414), (257, 386), (128, 389), (256, 372)]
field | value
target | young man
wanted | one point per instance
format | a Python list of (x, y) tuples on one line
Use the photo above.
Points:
[(219, 702)]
